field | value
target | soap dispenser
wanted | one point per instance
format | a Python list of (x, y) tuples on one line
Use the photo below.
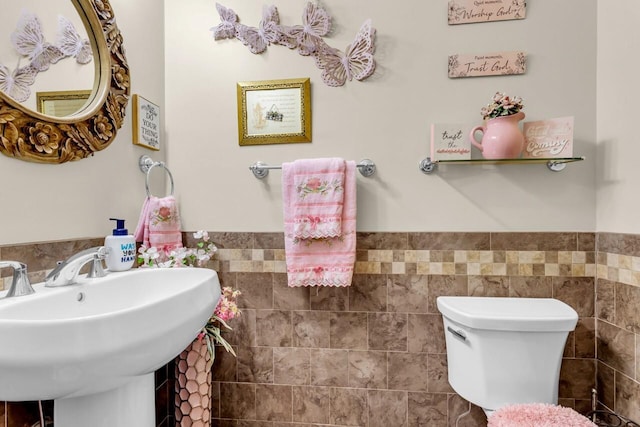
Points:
[(121, 248)]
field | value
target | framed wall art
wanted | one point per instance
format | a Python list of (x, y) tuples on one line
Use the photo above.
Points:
[(61, 103), (146, 123), (274, 111)]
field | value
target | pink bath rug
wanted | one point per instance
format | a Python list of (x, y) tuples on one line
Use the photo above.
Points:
[(537, 415)]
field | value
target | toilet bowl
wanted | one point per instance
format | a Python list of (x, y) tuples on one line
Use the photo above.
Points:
[(503, 351)]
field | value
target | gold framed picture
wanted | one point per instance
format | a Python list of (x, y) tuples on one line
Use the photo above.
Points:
[(146, 123), (61, 103), (274, 111)]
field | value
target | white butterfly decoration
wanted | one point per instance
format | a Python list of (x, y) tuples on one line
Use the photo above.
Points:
[(71, 42), (316, 23), (29, 41), (16, 84), (227, 28), (355, 63), (257, 39)]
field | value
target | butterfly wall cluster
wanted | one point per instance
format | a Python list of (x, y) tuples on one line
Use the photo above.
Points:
[(356, 62), (29, 41)]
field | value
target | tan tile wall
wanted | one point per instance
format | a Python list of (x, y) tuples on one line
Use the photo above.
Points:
[(618, 323), (373, 354)]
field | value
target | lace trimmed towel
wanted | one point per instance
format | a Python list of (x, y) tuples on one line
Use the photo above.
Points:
[(317, 200), (326, 261), (159, 224)]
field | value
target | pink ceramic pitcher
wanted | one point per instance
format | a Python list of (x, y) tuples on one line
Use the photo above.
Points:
[(501, 137)]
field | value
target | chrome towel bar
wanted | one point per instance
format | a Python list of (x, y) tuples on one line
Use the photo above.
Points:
[(260, 170)]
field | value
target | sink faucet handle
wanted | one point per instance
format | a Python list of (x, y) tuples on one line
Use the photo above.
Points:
[(96, 269), (20, 284)]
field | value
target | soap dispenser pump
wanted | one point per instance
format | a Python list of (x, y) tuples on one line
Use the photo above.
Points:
[(121, 248)]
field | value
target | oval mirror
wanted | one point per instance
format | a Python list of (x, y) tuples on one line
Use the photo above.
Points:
[(90, 126)]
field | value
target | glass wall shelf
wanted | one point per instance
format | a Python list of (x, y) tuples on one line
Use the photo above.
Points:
[(554, 164)]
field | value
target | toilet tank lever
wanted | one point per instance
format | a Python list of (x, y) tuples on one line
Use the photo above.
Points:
[(457, 333)]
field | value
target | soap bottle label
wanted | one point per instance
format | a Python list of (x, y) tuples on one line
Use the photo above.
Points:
[(128, 252)]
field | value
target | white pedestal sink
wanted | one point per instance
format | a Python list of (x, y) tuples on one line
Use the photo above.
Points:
[(93, 347)]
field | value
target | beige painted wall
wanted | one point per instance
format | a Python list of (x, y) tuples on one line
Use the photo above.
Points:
[(385, 118), (72, 200), (617, 111)]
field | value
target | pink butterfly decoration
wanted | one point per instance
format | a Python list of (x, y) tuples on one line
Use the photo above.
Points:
[(257, 39), (355, 63), (316, 23), (16, 84), (227, 28), (29, 41)]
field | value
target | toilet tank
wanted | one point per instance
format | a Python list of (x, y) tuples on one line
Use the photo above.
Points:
[(505, 350)]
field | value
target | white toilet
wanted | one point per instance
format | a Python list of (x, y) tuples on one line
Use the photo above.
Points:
[(503, 351)]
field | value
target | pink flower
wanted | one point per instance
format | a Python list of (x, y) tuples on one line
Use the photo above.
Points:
[(164, 212), (227, 308), (314, 183)]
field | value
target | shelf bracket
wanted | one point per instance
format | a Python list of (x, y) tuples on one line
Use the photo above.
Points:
[(427, 166), (556, 166)]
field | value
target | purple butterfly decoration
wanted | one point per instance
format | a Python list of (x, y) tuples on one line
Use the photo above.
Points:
[(227, 28), (257, 39), (356, 62), (307, 38)]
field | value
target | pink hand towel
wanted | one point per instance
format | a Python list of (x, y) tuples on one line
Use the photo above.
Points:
[(142, 222), (325, 261), (159, 224), (317, 197)]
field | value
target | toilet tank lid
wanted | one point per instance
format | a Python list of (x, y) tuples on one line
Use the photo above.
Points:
[(509, 314)]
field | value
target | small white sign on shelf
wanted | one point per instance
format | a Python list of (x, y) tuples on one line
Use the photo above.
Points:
[(450, 141), (551, 138)]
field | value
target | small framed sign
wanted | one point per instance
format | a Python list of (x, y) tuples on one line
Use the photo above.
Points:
[(274, 111), (146, 123), (450, 141), (61, 103), (550, 138)]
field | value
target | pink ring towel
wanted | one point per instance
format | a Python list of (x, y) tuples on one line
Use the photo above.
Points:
[(537, 415)]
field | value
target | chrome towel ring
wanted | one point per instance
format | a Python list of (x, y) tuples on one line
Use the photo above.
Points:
[(146, 163)]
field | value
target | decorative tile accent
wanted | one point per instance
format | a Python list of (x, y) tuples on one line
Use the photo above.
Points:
[(485, 262)]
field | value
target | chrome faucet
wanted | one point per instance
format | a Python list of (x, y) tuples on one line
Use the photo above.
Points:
[(66, 272), (20, 284)]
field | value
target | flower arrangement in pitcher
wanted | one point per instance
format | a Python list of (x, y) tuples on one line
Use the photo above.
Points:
[(502, 105)]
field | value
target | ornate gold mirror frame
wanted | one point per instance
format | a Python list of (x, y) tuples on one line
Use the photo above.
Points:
[(35, 137)]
